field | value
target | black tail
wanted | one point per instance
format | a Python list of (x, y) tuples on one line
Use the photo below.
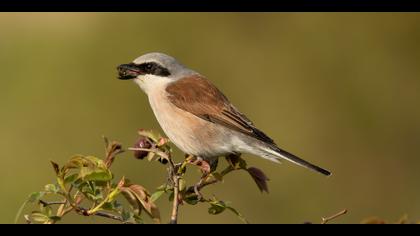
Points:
[(292, 158)]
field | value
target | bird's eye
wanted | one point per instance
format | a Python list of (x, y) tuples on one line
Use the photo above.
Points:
[(149, 67), (154, 69)]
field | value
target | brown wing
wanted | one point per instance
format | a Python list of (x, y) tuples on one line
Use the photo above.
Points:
[(198, 96)]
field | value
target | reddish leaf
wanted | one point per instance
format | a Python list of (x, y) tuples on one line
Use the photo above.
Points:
[(260, 178), (139, 197), (56, 167)]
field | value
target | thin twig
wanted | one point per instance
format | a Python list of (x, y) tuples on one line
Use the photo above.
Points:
[(154, 150), (110, 216), (175, 205), (210, 181), (325, 220), (84, 212), (44, 203)]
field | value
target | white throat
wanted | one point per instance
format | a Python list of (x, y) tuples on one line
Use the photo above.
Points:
[(152, 83)]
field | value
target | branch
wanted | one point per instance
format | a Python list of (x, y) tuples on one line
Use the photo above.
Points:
[(84, 212), (325, 220), (211, 181), (175, 178), (44, 203)]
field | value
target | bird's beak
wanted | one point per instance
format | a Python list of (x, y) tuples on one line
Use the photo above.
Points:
[(128, 71)]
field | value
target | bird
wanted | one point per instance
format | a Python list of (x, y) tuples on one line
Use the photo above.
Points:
[(196, 116)]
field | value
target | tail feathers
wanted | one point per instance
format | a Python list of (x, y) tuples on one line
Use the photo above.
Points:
[(279, 153)]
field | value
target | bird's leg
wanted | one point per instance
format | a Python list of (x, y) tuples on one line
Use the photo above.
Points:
[(206, 170), (197, 187)]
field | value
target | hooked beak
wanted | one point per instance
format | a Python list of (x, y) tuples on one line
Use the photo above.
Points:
[(128, 71)]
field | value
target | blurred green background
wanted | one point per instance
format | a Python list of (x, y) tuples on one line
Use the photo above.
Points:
[(338, 89)]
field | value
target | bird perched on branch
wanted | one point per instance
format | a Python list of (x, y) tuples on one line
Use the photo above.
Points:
[(196, 116)]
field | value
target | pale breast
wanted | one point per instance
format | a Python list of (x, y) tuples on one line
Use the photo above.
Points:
[(190, 133)]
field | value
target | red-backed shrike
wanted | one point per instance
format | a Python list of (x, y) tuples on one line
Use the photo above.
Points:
[(196, 116)]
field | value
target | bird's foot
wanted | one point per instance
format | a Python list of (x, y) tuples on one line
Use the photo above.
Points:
[(200, 163), (198, 186)]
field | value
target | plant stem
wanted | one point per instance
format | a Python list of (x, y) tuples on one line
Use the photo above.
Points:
[(175, 178), (325, 220), (84, 212), (175, 205)]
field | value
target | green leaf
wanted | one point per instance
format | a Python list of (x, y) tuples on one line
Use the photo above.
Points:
[(70, 179), (217, 207), (155, 196), (182, 184), (80, 161), (191, 199), (99, 163), (55, 218), (237, 213), (46, 210), (150, 134), (51, 188), (97, 196), (35, 196), (39, 217), (32, 198), (76, 161), (171, 196), (127, 216), (95, 174), (108, 206), (150, 156), (162, 187), (113, 195)]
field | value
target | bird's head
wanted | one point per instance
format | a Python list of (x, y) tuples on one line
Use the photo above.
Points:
[(153, 69)]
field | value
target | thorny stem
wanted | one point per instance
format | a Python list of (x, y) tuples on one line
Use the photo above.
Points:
[(175, 178), (325, 220)]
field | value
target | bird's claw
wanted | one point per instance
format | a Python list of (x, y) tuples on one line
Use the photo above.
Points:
[(197, 191)]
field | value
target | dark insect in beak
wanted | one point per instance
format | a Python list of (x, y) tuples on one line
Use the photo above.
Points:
[(128, 71)]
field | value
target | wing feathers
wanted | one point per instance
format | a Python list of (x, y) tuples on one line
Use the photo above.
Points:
[(198, 96)]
